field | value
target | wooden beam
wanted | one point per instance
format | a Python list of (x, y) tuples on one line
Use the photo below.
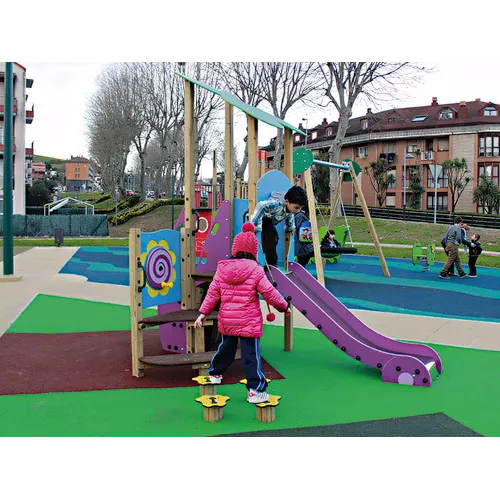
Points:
[(229, 166), (288, 171), (214, 182), (338, 193), (136, 336), (314, 226), (253, 162), (188, 246), (369, 221)]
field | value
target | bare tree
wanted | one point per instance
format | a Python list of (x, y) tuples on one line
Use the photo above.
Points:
[(375, 82), (244, 80), (283, 85)]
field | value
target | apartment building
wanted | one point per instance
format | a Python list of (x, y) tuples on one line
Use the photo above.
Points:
[(79, 174), (411, 139), (22, 152)]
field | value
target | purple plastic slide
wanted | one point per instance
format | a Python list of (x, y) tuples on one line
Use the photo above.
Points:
[(400, 362)]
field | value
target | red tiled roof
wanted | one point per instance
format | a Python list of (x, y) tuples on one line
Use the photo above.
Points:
[(403, 120)]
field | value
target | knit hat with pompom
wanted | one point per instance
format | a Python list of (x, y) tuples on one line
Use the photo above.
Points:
[(246, 241)]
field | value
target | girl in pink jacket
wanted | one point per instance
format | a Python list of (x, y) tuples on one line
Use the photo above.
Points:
[(237, 284)]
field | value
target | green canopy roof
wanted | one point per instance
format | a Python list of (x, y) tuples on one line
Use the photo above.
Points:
[(257, 113)]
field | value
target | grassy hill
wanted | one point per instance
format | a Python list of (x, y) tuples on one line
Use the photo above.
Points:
[(51, 159)]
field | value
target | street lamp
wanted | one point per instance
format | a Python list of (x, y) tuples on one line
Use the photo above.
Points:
[(116, 206), (409, 156), (307, 123)]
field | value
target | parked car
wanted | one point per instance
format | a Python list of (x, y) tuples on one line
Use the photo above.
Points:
[(130, 192)]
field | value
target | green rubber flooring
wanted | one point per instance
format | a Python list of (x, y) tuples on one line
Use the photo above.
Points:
[(322, 387)]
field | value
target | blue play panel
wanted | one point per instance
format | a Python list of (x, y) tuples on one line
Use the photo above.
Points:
[(357, 281)]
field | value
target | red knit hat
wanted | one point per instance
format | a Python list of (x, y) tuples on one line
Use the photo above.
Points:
[(246, 241)]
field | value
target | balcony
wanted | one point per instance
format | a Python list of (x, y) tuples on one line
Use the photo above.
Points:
[(29, 150), (427, 155), (1, 145), (30, 114), (2, 111)]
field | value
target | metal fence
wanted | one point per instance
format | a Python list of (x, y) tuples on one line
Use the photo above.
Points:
[(476, 220)]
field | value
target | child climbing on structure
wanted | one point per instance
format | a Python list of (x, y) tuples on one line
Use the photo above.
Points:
[(237, 284), (269, 213)]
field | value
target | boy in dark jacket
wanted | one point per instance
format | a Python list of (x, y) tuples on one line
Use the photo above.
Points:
[(475, 250), (269, 213)]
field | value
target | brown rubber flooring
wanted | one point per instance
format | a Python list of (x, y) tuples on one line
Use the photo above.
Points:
[(91, 361)]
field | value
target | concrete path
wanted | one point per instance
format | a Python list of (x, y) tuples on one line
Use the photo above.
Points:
[(39, 268), (438, 248)]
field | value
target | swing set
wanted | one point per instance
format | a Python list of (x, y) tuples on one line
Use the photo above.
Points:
[(303, 159)]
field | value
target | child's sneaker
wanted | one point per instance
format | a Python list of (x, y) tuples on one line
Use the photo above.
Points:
[(257, 397), (472, 275), (463, 275), (444, 276), (215, 379)]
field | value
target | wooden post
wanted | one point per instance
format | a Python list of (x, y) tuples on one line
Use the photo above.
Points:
[(229, 167), (288, 171), (188, 247), (238, 189), (253, 163), (136, 336), (338, 193), (214, 182), (369, 221), (314, 226)]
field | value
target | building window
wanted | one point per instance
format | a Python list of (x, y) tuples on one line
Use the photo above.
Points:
[(419, 118), (444, 144), (390, 200), (442, 181), (364, 124), (411, 148), (446, 114), (442, 201), (391, 183), (314, 135), (329, 131), (489, 145), (490, 170), (391, 119), (490, 111), (297, 138), (362, 151), (389, 147)]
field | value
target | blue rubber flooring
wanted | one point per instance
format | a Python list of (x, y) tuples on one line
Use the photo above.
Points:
[(357, 281)]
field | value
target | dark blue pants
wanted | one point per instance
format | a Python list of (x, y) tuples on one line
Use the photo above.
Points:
[(250, 360)]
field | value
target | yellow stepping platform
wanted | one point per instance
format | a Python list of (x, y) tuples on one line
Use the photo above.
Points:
[(244, 381), (203, 380), (213, 407)]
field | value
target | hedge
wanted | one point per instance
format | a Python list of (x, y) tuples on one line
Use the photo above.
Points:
[(142, 210), (45, 225)]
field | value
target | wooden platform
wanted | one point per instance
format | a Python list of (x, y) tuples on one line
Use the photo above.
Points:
[(176, 317), (181, 359), (205, 277)]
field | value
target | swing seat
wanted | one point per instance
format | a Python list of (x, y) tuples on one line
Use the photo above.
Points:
[(330, 253), (341, 233)]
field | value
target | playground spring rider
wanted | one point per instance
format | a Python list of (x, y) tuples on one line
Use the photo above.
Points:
[(425, 259)]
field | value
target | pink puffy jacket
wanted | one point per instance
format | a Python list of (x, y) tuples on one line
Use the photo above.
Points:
[(237, 284)]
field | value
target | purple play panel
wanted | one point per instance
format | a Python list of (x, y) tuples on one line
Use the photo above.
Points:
[(400, 362), (215, 248)]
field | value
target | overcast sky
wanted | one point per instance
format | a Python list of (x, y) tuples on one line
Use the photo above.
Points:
[(61, 90)]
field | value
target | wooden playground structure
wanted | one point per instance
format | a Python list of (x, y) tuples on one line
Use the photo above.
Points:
[(163, 268)]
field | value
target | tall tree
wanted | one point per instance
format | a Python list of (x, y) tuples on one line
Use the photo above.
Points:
[(376, 82), (380, 178), (458, 178), (487, 194)]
